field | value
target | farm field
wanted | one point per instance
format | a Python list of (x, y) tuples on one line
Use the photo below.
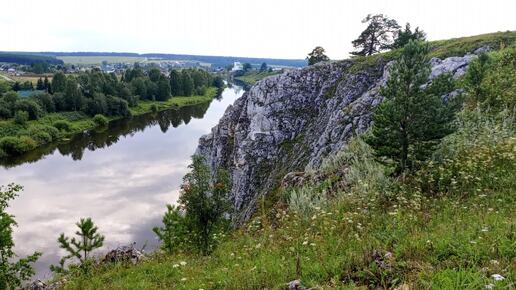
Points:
[(31, 78)]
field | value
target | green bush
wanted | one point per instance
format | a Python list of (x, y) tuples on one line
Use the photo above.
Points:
[(17, 145), (41, 137), (29, 106), (52, 131), (154, 108), (21, 117), (2, 153), (62, 125), (100, 120)]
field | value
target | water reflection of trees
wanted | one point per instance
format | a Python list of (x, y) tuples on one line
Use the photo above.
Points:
[(98, 139)]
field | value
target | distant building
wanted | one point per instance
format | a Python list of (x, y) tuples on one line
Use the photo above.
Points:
[(237, 66)]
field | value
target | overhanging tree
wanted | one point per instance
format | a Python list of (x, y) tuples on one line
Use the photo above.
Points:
[(378, 35), (411, 120)]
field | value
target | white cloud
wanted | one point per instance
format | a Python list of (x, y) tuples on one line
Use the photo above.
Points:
[(266, 28)]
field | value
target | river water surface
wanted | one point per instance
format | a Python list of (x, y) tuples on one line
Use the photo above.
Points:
[(121, 177)]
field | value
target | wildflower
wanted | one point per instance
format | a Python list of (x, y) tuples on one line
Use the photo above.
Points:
[(489, 286), (472, 242), (497, 277), (183, 279), (175, 266), (183, 263), (312, 244), (485, 230), (305, 243)]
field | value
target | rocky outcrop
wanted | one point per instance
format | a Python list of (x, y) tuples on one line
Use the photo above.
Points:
[(292, 121)]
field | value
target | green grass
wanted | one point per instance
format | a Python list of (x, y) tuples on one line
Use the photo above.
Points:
[(438, 244), (253, 77), (450, 225), (362, 238), (442, 49)]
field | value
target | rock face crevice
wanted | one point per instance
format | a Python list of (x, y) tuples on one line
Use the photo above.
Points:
[(292, 121)]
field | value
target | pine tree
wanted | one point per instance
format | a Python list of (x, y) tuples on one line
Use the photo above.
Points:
[(377, 36), (317, 55), (404, 36), (174, 233), (411, 120), (47, 86), (12, 272), (39, 85), (81, 247)]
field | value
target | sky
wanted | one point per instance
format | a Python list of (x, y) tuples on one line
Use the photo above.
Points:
[(254, 28)]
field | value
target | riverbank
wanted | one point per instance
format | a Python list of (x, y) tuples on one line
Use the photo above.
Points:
[(16, 139)]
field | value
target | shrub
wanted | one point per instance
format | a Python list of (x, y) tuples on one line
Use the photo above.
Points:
[(305, 201), (100, 120), (29, 106), (21, 117), (364, 176), (5, 112), (17, 145), (41, 137), (154, 108), (62, 125), (52, 131), (117, 106)]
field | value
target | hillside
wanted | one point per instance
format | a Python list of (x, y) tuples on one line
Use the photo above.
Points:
[(313, 204)]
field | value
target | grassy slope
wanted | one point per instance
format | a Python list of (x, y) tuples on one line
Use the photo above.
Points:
[(453, 240), (81, 122), (253, 77)]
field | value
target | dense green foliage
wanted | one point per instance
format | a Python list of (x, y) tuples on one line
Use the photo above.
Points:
[(12, 272), (317, 55), (80, 98), (412, 120)]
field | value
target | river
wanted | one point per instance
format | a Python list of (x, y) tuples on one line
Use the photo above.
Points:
[(121, 177)]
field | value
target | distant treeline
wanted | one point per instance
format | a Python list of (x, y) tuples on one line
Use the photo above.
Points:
[(216, 61), (29, 59)]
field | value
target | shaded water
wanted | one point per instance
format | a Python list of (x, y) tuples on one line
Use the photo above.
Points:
[(121, 177)]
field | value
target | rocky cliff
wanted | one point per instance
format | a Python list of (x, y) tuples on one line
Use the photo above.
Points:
[(292, 121)]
